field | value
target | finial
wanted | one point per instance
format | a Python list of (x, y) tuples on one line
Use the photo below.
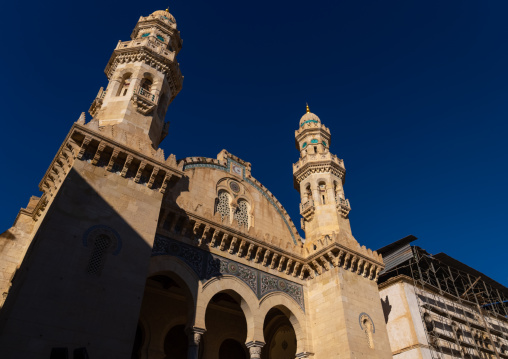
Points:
[(308, 110), (167, 9)]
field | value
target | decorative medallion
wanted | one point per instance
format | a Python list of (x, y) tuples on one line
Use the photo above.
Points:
[(236, 169), (282, 285), (235, 187), (232, 268)]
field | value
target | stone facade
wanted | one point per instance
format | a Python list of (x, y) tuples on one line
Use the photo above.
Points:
[(129, 252)]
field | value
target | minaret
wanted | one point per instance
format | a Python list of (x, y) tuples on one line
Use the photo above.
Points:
[(319, 177), (144, 78)]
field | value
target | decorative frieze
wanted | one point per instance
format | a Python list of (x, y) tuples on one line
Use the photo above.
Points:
[(207, 265)]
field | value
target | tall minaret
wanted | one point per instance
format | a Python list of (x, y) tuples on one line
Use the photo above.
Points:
[(144, 78), (319, 177)]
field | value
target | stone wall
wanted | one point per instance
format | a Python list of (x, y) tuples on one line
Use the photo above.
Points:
[(70, 292), (338, 300)]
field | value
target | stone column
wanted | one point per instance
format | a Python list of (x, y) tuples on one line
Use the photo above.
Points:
[(255, 349), (194, 335)]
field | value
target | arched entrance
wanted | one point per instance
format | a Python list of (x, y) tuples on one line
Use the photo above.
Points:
[(176, 343), (279, 336), (226, 327), (231, 349), (165, 311)]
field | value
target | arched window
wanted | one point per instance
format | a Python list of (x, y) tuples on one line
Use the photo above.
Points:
[(242, 213), (98, 256), (223, 206), (308, 192), (322, 192), (124, 86), (146, 84)]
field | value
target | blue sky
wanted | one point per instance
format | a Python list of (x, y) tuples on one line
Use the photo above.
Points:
[(414, 94)]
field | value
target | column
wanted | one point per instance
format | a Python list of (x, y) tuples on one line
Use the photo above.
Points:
[(255, 349), (194, 335)]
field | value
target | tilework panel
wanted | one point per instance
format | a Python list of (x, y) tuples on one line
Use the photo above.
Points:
[(207, 265)]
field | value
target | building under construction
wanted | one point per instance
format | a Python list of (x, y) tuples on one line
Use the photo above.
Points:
[(437, 307)]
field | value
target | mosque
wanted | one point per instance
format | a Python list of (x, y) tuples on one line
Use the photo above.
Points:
[(129, 253)]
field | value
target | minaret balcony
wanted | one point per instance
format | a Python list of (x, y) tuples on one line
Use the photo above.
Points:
[(152, 44), (144, 101), (318, 157), (307, 209), (97, 103), (343, 206)]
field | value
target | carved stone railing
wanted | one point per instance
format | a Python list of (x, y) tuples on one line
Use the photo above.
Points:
[(155, 46), (318, 157), (343, 206), (146, 94), (97, 103), (307, 209), (291, 261), (318, 163), (206, 234), (143, 100)]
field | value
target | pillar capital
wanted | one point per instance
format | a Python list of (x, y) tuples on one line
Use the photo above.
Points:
[(194, 334), (255, 349)]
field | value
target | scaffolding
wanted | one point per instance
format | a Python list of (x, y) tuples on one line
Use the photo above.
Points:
[(464, 313)]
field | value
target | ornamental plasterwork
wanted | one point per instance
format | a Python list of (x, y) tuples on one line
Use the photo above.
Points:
[(227, 167), (207, 265)]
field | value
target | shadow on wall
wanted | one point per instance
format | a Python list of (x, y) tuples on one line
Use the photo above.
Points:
[(82, 280), (387, 308)]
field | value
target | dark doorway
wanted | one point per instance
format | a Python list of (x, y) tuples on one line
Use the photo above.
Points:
[(176, 343), (231, 349), (138, 343)]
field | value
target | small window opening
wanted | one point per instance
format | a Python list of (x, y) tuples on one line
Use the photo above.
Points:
[(322, 191), (147, 84), (315, 149), (98, 256), (124, 87)]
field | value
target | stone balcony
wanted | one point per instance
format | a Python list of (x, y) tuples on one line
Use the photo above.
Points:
[(143, 100), (319, 157), (97, 103), (317, 163), (307, 209), (150, 43), (343, 206)]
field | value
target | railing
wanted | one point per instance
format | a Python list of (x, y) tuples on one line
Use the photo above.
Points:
[(306, 205), (145, 93), (101, 93), (157, 46), (323, 156)]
